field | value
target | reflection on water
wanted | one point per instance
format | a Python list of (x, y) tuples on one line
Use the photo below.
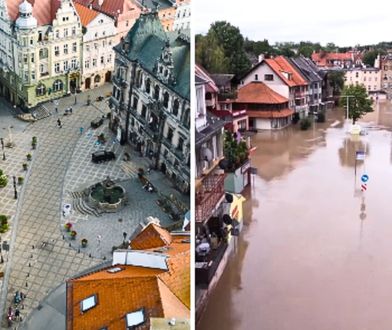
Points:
[(315, 252)]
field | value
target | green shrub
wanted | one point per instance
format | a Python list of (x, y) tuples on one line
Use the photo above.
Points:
[(28, 156), (305, 123), (20, 179), (3, 223), (3, 180)]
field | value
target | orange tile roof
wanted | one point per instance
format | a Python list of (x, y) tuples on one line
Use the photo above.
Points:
[(259, 92), (321, 58), (112, 8), (281, 65), (43, 10), (118, 297), (270, 114), (152, 236), (163, 293), (86, 14)]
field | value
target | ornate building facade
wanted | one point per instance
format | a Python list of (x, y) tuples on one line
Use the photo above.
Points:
[(151, 96), (41, 50)]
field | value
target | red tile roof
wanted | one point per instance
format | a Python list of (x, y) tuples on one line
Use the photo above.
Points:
[(258, 92), (112, 8), (152, 236), (321, 58), (282, 66), (86, 14), (43, 10), (270, 114)]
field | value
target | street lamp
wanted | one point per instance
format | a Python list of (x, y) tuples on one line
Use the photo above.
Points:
[(2, 148), (347, 110), (15, 191)]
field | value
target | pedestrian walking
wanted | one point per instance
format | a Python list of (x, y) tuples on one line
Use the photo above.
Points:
[(17, 314), (59, 124), (70, 110), (81, 130), (56, 109)]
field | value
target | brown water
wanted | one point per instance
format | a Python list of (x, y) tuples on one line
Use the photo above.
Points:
[(315, 253)]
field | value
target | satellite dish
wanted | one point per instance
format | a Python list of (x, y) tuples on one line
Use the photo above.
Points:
[(207, 154), (229, 198), (223, 164), (227, 219)]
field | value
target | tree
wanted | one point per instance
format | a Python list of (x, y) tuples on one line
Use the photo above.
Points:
[(236, 153), (231, 40), (210, 54), (336, 81), (358, 101), (370, 56)]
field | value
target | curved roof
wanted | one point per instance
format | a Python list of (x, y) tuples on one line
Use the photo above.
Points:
[(258, 92)]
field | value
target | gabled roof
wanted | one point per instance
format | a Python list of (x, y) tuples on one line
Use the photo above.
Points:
[(86, 14), (258, 92), (152, 236), (112, 8), (307, 68), (43, 10), (202, 73), (280, 65), (222, 79), (123, 287)]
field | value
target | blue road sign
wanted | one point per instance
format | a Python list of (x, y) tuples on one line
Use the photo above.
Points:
[(364, 178)]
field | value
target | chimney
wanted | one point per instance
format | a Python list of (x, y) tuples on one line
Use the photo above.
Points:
[(261, 57)]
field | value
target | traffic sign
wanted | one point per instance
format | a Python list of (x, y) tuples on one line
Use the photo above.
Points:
[(364, 178), (363, 186)]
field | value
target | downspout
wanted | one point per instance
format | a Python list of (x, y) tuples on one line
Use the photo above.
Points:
[(131, 83)]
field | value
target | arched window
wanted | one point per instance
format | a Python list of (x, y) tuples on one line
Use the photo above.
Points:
[(176, 106), (97, 78), (166, 100), (40, 90), (148, 86), (57, 85), (156, 92)]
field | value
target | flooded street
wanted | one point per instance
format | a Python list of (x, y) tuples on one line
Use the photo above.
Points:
[(315, 252)]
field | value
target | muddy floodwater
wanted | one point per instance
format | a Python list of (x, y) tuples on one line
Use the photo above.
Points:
[(315, 252)]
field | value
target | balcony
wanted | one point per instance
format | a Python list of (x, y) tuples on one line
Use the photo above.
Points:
[(208, 195), (299, 95)]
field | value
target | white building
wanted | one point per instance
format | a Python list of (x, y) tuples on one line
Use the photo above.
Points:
[(98, 42), (182, 19), (40, 53), (369, 77)]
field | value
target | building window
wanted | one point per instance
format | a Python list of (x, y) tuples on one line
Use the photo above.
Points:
[(166, 100), (65, 65), (40, 90), (88, 303), (102, 60), (135, 318), (65, 49), (32, 75), (74, 47), (97, 78), (43, 53), (87, 48), (57, 34), (180, 143), (268, 77), (74, 31), (57, 67), (73, 64), (25, 58), (57, 85), (170, 135), (256, 77), (156, 92), (65, 32), (32, 58), (87, 64), (94, 62), (135, 102), (148, 86), (144, 111), (176, 106)]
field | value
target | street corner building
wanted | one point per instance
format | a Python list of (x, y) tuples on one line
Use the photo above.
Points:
[(151, 96), (40, 50), (146, 287)]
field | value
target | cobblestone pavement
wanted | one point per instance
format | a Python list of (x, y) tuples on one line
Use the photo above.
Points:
[(39, 258), (42, 256)]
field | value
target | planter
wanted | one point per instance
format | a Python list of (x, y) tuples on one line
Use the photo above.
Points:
[(28, 156), (84, 242), (34, 146), (68, 226), (24, 166), (20, 180), (73, 234)]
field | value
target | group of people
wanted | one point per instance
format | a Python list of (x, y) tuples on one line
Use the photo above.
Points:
[(14, 313)]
